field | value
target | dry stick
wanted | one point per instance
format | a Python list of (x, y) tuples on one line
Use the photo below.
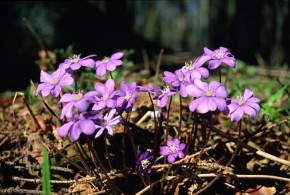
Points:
[(267, 128), (158, 67), (38, 39), (146, 60), (38, 167), (252, 149), (30, 111), (12, 190)]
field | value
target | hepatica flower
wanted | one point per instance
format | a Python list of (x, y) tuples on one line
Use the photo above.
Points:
[(75, 62), (164, 95), (108, 63), (246, 104), (209, 97), (144, 162), (127, 96), (75, 103), (172, 150), (83, 123), (217, 57), (104, 95), (52, 83), (107, 122), (195, 70), (178, 80)]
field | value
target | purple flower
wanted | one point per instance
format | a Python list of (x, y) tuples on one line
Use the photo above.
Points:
[(107, 122), (53, 83), (144, 162), (194, 70), (150, 89), (178, 80), (164, 95), (75, 63), (217, 57), (246, 104), (172, 150), (104, 95), (209, 96), (77, 101), (108, 63), (83, 123), (127, 96)]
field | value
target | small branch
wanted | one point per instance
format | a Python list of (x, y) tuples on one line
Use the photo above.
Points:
[(12, 190), (240, 176), (252, 149), (158, 66)]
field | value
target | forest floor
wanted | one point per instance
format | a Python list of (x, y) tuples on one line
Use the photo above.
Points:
[(252, 171)]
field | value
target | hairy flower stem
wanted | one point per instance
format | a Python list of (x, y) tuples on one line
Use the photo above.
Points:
[(76, 81), (123, 145), (180, 115), (107, 153), (163, 177), (228, 163), (220, 75), (167, 119), (46, 105), (100, 165), (111, 75), (207, 136), (155, 143), (74, 145), (130, 134), (191, 141)]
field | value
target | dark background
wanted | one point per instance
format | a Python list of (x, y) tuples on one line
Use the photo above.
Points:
[(247, 27)]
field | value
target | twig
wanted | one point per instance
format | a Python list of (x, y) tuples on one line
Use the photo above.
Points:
[(158, 66), (252, 149), (240, 176), (38, 167), (12, 190)]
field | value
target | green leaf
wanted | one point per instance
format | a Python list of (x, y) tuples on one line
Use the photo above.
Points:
[(30, 95), (277, 96), (46, 188)]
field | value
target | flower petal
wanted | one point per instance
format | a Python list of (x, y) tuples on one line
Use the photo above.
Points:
[(110, 84), (117, 55), (101, 70), (194, 91), (87, 63), (229, 61), (213, 64), (247, 94), (64, 129), (87, 127), (45, 77)]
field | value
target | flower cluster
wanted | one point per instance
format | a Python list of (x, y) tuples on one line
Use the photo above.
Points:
[(95, 111)]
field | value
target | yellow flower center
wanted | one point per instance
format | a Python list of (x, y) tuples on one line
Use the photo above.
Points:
[(240, 100), (54, 81), (106, 96), (145, 163), (127, 97), (173, 149), (75, 58), (190, 65), (220, 54), (166, 89), (106, 59), (181, 79), (208, 93), (78, 96)]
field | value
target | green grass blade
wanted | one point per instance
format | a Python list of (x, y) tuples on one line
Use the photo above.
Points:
[(46, 188)]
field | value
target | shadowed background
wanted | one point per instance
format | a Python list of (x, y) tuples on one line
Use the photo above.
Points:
[(250, 28)]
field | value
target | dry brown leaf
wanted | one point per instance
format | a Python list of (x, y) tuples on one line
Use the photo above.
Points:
[(259, 191)]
